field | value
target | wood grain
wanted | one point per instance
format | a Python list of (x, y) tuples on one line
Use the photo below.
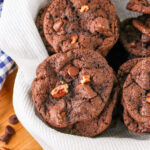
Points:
[(22, 140)]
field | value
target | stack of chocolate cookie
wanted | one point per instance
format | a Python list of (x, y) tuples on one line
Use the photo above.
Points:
[(134, 75), (75, 90), (135, 32)]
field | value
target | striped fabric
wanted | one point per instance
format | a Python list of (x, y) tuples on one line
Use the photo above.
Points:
[(7, 65)]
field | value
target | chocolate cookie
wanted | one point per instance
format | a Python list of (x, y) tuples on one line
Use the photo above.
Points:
[(80, 24), (135, 36), (136, 97), (141, 6), (74, 91), (39, 24)]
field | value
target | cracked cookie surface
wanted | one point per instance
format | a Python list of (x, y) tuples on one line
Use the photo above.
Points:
[(73, 91), (135, 98), (125, 69)]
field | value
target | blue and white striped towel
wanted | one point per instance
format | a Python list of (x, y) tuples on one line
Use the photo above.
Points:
[(1, 3), (7, 65)]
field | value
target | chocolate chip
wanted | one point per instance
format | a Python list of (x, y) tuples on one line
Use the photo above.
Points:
[(57, 25), (5, 138), (73, 71), (101, 25), (145, 38), (9, 130), (13, 119)]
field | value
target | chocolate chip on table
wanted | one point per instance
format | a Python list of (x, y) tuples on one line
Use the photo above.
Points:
[(4, 138), (9, 131), (13, 119)]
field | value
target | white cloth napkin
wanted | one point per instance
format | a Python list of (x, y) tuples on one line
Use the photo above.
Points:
[(20, 39)]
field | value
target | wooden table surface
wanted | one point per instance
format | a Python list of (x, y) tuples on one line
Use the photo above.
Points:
[(22, 140)]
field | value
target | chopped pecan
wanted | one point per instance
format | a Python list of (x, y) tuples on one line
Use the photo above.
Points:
[(74, 39), (85, 79), (60, 91), (84, 8), (57, 25), (148, 98)]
